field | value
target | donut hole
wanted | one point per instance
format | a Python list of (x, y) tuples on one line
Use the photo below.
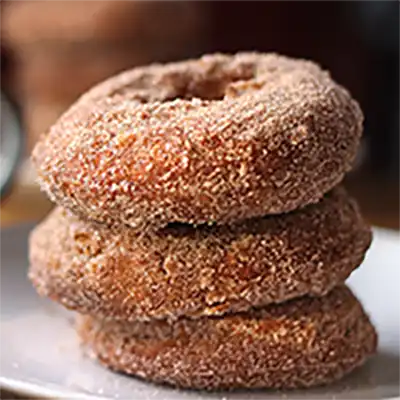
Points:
[(213, 85), (209, 89), (216, 89)]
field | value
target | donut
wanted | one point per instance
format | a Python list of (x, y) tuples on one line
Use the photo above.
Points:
[(208, 141), (301, 343), (199, 272)]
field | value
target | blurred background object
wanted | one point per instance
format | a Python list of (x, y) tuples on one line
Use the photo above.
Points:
[(53, 51), (11, 144)]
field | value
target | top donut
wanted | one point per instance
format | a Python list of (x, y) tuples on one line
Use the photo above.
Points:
[(213, 140)]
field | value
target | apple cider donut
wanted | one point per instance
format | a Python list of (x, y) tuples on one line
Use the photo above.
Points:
[(214, 140), (181, 270), (300, 343)]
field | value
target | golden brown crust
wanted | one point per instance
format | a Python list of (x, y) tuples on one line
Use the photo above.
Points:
[(301, 343), (205, 271), (214, 140)]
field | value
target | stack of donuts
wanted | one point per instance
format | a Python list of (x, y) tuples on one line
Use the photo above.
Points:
[(61, 48), (201, 232)]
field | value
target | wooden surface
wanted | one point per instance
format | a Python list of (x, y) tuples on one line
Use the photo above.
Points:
[(378, 199), (24, 204)]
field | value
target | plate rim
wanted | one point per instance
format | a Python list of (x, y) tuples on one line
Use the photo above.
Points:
[(21, 387)]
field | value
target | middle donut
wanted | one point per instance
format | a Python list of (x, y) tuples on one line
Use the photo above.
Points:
[(181, 270)]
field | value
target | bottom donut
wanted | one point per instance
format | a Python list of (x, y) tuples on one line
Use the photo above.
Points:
[(300, 343)]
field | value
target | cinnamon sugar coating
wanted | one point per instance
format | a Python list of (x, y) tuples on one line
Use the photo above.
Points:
[(214, 140), (301, 343), (197, 272)]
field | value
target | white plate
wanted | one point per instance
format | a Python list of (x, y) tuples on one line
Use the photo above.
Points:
[(40, 354)]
